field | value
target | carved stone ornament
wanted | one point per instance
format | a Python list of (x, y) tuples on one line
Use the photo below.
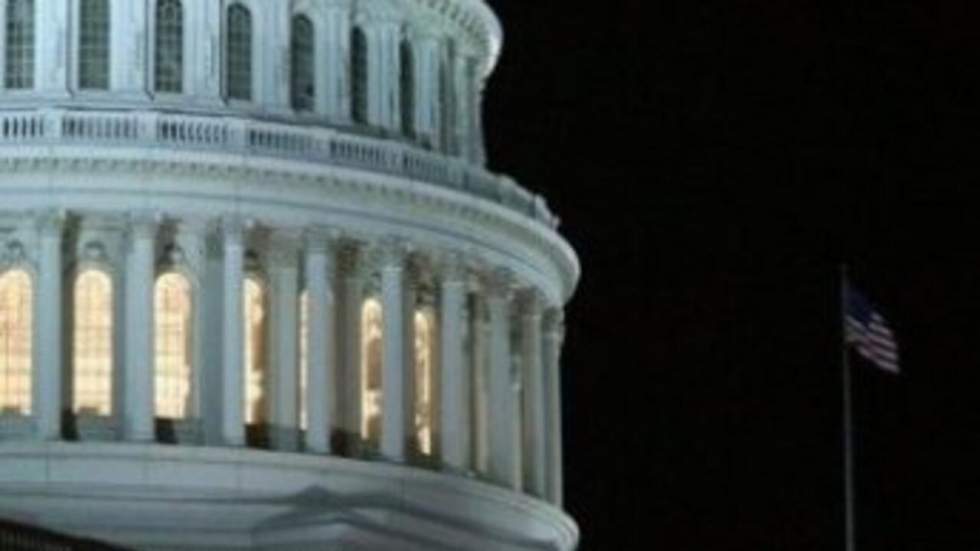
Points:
[(94, 251), (13, 254)]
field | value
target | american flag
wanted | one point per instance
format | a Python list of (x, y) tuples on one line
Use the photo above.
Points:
[(867, 331)]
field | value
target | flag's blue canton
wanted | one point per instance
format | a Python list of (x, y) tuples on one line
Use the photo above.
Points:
[(868, 332)]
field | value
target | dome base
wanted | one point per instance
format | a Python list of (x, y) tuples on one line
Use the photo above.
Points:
[(171, 497)]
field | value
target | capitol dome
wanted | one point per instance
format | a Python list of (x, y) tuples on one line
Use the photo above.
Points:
[(258, 289)]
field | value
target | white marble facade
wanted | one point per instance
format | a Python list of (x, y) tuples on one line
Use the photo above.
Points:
[(258, 289)]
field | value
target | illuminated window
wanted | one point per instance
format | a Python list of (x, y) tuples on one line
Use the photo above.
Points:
[(407, 89), (238, 57), (16, 341), (359, 76), (304, 361), (173, 307), (424, 355), (169, 57), (93, 45), (371, 374), (92, 343), (256, 320), (303, 88), (19, 64)]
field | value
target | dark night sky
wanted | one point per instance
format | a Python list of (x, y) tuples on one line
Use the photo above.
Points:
[(713, 164)]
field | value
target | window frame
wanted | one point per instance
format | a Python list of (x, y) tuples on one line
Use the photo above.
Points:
[(115, 296), (28, 269), (152, 46), (5, 51), (193, 345), (313, 80), (254, 59), (76, 54)]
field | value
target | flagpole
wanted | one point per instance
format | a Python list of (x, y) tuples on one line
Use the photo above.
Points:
[(849, 527)]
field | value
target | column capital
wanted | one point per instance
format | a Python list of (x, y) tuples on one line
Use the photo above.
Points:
[(234, 228), (144, 224), (392, 253), (531, 303), (499, 283), (554, 322), (284, 248), (321, 240), (51, 222), (452, 267), (350, 259)]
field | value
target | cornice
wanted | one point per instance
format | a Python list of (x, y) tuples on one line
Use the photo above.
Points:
[(396, 195)]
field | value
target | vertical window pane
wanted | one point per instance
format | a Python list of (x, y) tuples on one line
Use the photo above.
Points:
[(371, 358), (92, 343), (359, 76), (423, 381), (93, 45), (173, 363), (255, 352), (16, 342), (238, 58), (303, 88), (169, 59), (407, 89), (19, 66)]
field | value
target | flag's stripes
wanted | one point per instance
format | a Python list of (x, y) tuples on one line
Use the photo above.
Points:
[(869, 333)]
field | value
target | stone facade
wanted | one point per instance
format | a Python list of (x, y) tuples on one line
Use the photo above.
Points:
[(367, 184)]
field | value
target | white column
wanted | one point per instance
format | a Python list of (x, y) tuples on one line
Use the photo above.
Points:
[(554, 336), (336, 31), (481, 385), (128, 48), (48, 404), (233, 354), (51, 54), (395, 403), (273, 61), (456, 381), (320, 345), (535, 398), (504, 435), (349, 379), (462, 104), (391, 75), (202, 63), (426, 87), (138, 397), (284, 326)]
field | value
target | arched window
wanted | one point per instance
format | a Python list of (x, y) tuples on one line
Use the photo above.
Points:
[(407, 68), (304, 361), (256, 321), (92, 343), (424, 374), (302, 80), (359, 76), (169, 56), (16, 341), (238, 57), (371, 370), (19, 66), (173, 361), (93, 45)]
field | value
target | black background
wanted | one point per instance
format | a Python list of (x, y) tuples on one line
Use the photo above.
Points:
[(714, 164)]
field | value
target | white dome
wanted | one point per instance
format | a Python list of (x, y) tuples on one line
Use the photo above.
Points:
[(258, 289)]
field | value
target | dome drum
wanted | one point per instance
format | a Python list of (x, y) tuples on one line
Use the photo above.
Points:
[(258, 289)]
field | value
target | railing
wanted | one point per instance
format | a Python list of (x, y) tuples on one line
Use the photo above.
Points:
[(249, 137)]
